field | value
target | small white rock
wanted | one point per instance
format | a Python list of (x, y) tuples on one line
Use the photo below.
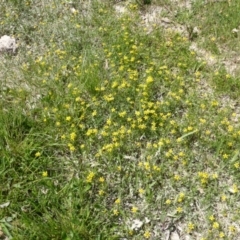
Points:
[(166, 20), (4, 205), (196, 30), (174, 236), (136, 224), (235, 30), (73, 10), (8, 44), (147, 220)]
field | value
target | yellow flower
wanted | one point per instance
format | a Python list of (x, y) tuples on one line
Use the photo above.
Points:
[(147, 234), (221, 235), (177, 177), (118, 201), (179, 140), (122, 114), (141, 191), (119, 168), (168, 202), (134, 209), (215, 225), (179, 210), (207, 132), (232, 229), (130, 232), (71, 147), (115, 212), (234, 188), (236, 165), (230, 128), (90, 177), (215, 176), (181, 197), (149, 79), (68, 118), (191, 226), (223, 198), (45, 174), (101, 179), (228, 76), (100, 192), (73, 136), (211, 218), (37, 154), (109, 121)]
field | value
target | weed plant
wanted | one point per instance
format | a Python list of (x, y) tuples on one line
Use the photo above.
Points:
[(107, 131)]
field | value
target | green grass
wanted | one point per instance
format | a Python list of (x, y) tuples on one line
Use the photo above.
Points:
[(103, 125)]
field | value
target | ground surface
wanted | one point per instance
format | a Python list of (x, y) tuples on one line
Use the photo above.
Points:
[(119, 120)]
